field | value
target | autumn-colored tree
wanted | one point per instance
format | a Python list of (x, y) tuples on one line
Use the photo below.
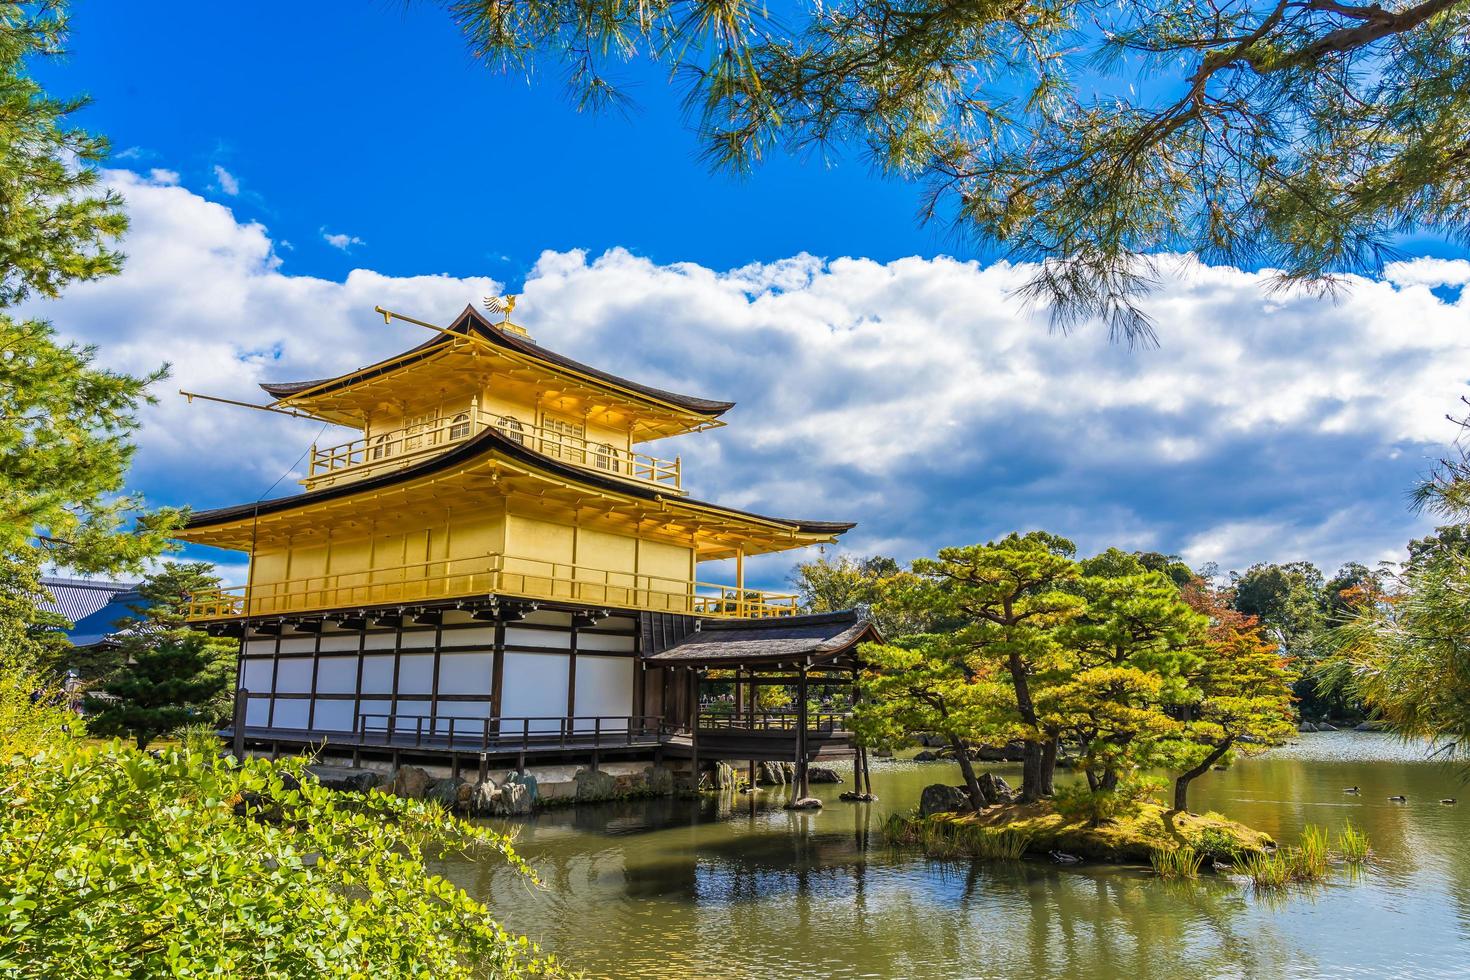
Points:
[(1240, 692)]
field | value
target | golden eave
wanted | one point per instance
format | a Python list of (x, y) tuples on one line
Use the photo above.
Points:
[(463, 365), (492, 481)]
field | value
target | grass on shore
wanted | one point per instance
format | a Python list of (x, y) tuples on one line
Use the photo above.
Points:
[(947, 839), (1308, 861), (1178, 862)]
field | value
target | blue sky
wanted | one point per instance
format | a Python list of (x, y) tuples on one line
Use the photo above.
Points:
[(289, 166)]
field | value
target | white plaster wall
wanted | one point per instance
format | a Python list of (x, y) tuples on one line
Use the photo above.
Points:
[(336, 675), (291, 714), (604, 686), (333, 716), (377, 674), (293, 675), (535, 684), (602, 641), (466, 673), (416, 673), (257, 676)]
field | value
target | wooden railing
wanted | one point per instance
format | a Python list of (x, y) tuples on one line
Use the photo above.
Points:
[(501, 734), (390, 450), (771, 721), (496, 574)]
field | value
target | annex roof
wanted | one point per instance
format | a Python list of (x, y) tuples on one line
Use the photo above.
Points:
[(816, 637)]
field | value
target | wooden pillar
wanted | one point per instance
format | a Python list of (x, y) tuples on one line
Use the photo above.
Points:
[(803, 788), (750, 720), (740, 580), (242, 704), (693, 714)]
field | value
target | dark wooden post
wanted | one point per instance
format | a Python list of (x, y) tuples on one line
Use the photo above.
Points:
[(750, 686), (242, 703), (693, 688), (802, 787)]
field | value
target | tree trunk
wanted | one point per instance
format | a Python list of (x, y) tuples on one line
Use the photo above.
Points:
[(1046, 779), (1182, 781), (972, 783), (1031, 764)]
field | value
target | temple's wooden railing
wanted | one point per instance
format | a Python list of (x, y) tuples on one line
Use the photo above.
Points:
[(398, 447), (771, 721), (497, 574), (502, 734)]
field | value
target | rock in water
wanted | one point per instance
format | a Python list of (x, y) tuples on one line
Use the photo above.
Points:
[(410, 782), (926, 756), (594, 785), (995, 789), (805, 803), (343, 779), (444, 792), (1325, 727), (939, 798), (513, 800), (821, 774), (1306, 726), (484, 798), (852, 796), (771, 774)]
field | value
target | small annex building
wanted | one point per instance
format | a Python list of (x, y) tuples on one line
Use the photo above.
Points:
[(497, 564)]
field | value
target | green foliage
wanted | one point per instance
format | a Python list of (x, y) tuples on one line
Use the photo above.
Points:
[(1215, 844), (168, 681), (1404, 654), (31, 716), (1106, 803), (58, 227), (1352, 844), (1130, 654), (943, 839), (65, 424), (1299, 137), (1306, 862), (1182, 861), (116, 864)]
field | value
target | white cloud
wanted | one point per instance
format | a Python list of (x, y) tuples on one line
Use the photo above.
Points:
[(159, 175), (338, 240), (914, 396), (1428, 272), (227, 182)]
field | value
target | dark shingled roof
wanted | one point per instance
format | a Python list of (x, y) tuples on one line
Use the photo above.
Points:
[(488, 440), (820, 636), (78, 598), (469, 320)]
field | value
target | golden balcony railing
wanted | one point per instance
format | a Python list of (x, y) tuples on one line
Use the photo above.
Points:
[(498, 574), (396, 448)]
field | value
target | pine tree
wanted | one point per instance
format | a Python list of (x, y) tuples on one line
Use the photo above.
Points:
[(65, 424), (1299, 136), (168, 681), (1008, 595)]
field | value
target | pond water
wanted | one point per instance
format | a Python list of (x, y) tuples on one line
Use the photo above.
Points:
[(739, 887)]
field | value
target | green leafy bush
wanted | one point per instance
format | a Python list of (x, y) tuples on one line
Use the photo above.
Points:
[(1077, 802), (114, 863)]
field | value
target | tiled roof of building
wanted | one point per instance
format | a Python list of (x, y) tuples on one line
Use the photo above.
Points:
[(820, 636), (78, 598), (469, 320)]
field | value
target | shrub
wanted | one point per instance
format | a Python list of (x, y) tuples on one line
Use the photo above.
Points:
[(116, 863), (1077, 801), (1216, 844), (1309, 859)]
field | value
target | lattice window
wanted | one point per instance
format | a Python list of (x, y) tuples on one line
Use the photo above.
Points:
[(459, 427), (563, 439), (512, 428)]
